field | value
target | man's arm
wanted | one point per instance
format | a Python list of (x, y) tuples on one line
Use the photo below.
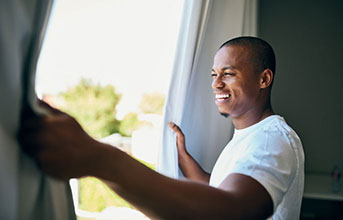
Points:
[(164, 198), (188, 165), (63, 150)]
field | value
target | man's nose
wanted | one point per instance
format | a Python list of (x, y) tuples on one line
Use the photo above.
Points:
[(218, 83)]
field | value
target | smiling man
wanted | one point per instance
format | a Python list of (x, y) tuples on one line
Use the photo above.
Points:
[(264, 149), (242, 80), (259, 174)]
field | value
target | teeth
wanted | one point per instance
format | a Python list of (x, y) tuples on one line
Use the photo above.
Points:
[(222, 96)]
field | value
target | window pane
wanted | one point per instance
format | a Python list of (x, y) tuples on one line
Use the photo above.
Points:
[(108, 63)]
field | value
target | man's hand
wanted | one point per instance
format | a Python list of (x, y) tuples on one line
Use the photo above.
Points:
[(60, 146), (188, 165), (180, 140)]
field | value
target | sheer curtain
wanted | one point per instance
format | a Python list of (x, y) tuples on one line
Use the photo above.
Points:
[(25, 193), (206, 24)]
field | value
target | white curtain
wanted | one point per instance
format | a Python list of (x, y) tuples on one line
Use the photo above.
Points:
[(25, 193), (206, 24)]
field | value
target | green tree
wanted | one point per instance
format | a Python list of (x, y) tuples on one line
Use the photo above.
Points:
[(128, 124), (152, 103), (94, 107)]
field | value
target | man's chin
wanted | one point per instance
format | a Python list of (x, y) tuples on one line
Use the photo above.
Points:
[(224, 114)]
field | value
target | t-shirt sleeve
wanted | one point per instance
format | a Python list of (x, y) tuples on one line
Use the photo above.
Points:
[(272, 163)]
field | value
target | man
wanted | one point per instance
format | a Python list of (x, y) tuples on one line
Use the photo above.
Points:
[(259, 174)]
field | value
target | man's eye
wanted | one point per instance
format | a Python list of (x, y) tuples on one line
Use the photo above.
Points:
[(213, 75), (229, 74)]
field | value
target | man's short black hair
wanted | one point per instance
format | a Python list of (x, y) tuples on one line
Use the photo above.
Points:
[(263, 55)]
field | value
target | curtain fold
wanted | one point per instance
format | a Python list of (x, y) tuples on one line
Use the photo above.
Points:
[(190, 102), (194, 20), (25, 192)]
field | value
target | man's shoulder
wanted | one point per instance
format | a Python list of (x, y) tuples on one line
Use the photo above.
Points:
[(276, 123), (273, 135), (277, 127)]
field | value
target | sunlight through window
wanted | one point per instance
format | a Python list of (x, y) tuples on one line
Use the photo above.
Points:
[(108, 64)]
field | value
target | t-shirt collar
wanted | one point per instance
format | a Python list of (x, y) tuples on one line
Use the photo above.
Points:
[(260, 124)]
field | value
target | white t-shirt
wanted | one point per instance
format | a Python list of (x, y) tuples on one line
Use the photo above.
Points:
[(271, 153)]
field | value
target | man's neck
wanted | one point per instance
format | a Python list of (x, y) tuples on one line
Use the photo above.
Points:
[(252, 117)]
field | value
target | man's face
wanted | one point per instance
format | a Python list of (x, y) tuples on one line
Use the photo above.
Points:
[(235, 82)]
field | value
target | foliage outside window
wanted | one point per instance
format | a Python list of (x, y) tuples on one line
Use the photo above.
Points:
[(94, 107)]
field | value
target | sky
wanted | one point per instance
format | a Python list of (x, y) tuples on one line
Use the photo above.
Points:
[(126, 43)]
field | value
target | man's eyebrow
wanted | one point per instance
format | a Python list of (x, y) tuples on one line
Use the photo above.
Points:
[(228, 67), (225, 68)]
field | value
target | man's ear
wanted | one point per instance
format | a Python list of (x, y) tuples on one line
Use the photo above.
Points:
[(266, 78)]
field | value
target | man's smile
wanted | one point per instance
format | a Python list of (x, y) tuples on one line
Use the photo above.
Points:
[(222, 97)]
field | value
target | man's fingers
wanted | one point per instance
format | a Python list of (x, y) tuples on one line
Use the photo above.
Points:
[(175, 128), (48, 107), (29, 143), (180, 138), (29, 124), (29, 135)]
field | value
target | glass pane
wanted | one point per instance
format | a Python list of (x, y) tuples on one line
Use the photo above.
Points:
[(108, 63)]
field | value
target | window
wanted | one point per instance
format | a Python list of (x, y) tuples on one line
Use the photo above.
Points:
[(108, 63)]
